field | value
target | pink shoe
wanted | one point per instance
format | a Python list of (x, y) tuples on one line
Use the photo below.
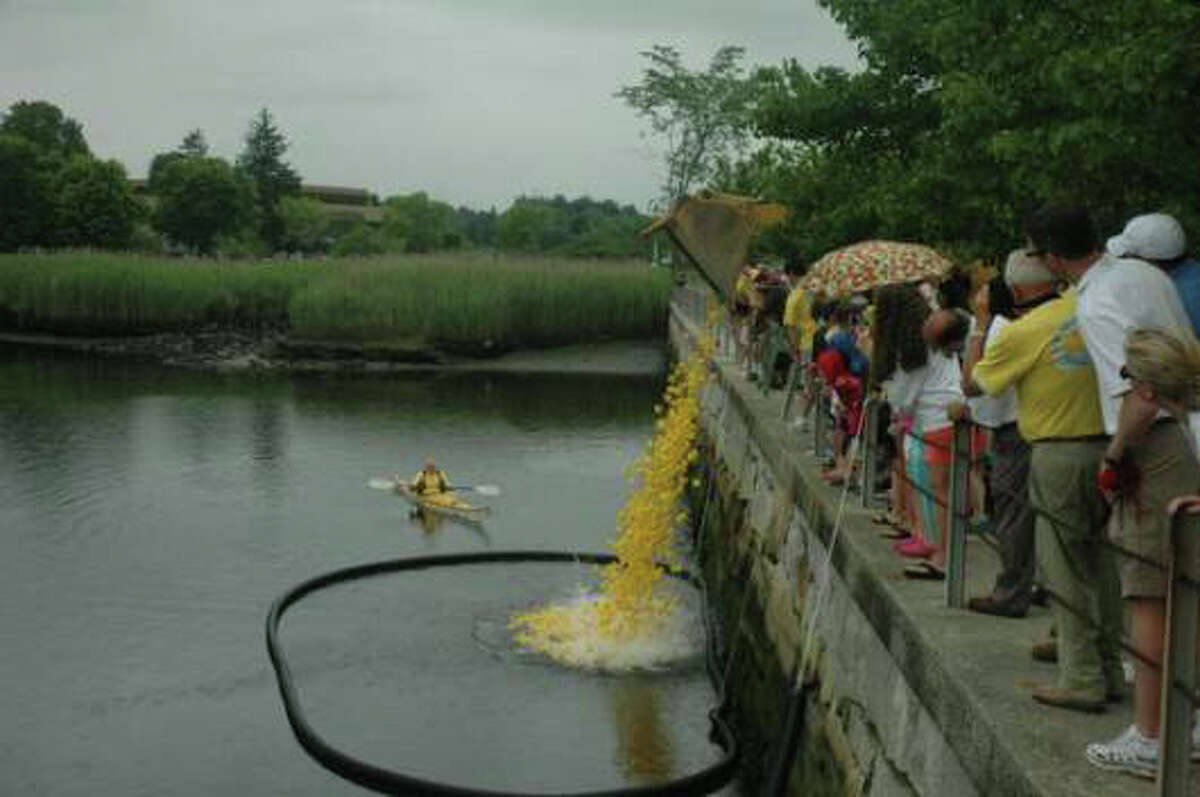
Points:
[(914, 548)]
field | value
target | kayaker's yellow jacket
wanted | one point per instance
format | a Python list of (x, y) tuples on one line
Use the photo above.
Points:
[(424, 483)]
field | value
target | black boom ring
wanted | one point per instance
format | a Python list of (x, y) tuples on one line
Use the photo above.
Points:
[(387, 781)]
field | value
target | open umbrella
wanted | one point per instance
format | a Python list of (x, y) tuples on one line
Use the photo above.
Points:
[(869, 264)]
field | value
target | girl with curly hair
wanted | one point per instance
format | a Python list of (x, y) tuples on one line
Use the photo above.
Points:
[(921, 383)]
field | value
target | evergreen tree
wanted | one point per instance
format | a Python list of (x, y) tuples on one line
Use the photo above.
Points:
[(194, 144), (273, 179)]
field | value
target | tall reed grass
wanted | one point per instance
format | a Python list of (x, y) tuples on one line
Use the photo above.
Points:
[(463, 300)]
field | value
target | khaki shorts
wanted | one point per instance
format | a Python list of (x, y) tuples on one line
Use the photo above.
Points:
[(1139, 523)]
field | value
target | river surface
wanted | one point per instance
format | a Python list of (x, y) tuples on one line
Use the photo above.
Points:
[(150, 516)]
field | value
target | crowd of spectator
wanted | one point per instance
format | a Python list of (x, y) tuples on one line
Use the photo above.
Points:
[(1077, 368)]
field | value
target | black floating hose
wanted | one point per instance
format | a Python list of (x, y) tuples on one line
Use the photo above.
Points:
[(387, 781)]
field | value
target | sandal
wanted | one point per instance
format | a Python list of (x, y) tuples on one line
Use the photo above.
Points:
[(924, 571)]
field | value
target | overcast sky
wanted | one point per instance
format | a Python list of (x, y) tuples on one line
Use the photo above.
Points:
[(473, 101)]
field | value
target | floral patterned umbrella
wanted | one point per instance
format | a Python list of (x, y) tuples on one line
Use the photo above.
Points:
[(869, 264)]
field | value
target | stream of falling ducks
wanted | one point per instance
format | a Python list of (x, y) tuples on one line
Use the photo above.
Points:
[(628, 621)]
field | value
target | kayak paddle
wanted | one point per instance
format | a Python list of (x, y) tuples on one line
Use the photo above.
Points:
[(482, 489), (379, 483)]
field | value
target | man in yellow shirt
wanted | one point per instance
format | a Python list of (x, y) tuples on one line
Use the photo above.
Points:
[(800, 326), (1043, 356), (799, 323)]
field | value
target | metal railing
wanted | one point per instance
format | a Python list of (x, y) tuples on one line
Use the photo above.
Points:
[(1179, 695), (1178, 667)]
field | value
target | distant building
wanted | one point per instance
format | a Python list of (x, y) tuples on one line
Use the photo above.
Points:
[(344, 205)]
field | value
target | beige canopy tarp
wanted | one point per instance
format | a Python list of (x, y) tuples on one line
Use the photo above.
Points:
[(714, 231)]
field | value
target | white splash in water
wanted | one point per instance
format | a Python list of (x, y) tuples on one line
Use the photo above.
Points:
[(577, 641)]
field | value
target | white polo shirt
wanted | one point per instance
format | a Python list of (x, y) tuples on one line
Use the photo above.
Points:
[(1115, 296), (926, 392)]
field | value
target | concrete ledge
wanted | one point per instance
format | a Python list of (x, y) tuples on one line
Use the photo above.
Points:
[(925, 699)]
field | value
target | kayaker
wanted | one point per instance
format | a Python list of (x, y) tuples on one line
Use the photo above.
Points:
[(429, 480)]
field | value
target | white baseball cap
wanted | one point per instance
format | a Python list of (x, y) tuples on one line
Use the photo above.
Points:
[(1154, 236)]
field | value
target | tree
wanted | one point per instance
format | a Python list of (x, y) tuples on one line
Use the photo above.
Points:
[(262, 161), (26, 199), (423, 224), (201, 199), (94, 205), (968, 114), (306, 224), (478, 226), (37, 141), (360, 240), (704, 116), (194, 144), (531, 225), (44, 125)]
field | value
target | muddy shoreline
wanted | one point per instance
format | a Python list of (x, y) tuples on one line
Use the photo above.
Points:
[(269, 352)]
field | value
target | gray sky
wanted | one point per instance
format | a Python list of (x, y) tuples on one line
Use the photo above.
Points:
[(473, 101)]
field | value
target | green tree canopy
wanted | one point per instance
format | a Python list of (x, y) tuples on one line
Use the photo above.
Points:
[(306, 224), (478, 226), (201, 199), (193, 145), (26, 198), (703, 116), (43, 124), (37, 141), (360, 240), (94, 205), (262, 161), (421, 223), (580, 227), (968, 114)]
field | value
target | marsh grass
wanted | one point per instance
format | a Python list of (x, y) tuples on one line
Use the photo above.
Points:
[(460, 300)]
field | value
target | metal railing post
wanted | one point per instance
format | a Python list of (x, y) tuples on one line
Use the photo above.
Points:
[(1179, 665), (956, 534), (820, 421), (790, 391), (869, 439)]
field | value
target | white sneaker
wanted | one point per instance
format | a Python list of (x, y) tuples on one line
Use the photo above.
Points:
[(1130, 752)]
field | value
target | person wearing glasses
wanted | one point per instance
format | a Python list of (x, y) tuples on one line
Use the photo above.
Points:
[(1042, 356), (1117, 295)]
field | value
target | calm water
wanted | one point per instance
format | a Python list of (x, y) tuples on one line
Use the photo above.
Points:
[(148, 518)]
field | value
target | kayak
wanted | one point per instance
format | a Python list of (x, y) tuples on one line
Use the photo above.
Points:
[(445, 504)]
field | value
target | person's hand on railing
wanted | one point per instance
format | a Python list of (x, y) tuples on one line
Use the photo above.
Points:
[(958, 411)]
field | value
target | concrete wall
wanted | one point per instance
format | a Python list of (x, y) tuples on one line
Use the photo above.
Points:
[(909, 696), (763, 544)]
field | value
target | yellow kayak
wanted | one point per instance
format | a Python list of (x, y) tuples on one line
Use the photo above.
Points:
[(447, 504)]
